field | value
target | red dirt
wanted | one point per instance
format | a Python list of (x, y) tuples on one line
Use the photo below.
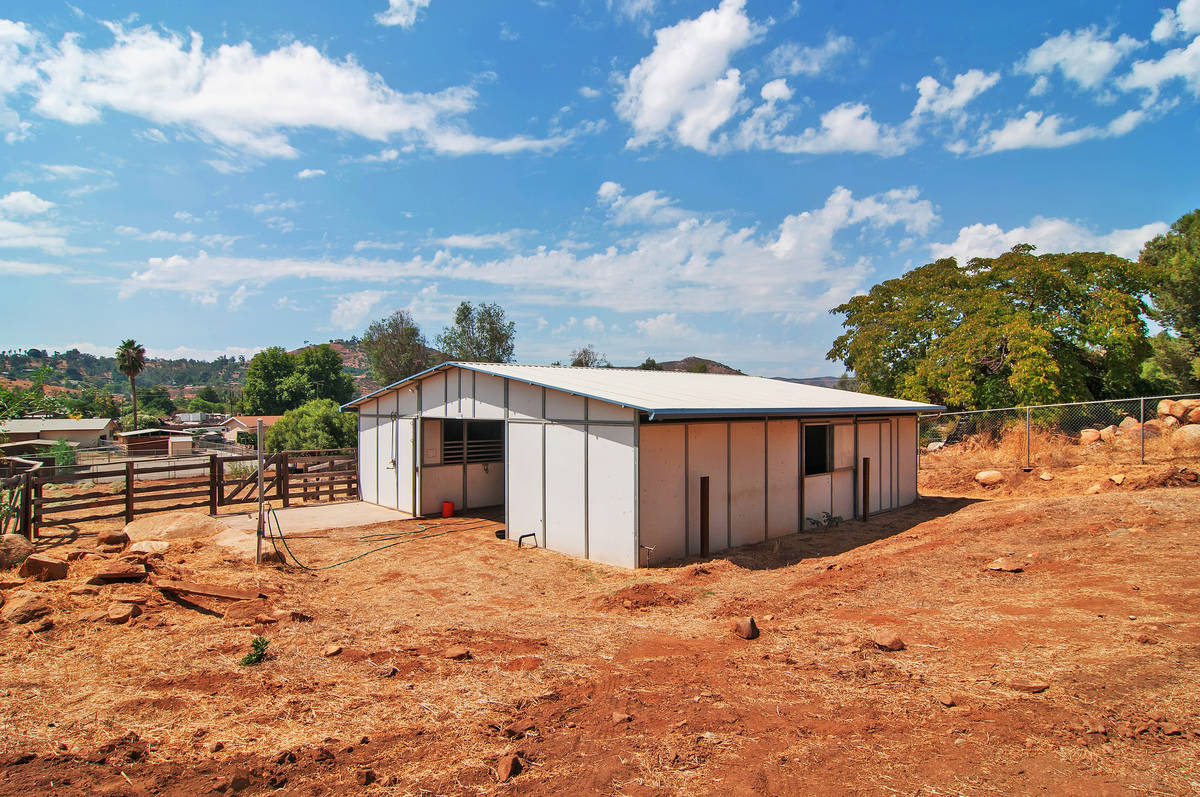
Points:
[(658, 697)]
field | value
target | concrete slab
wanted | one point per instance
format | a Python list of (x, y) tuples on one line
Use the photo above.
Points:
[(296, 519)]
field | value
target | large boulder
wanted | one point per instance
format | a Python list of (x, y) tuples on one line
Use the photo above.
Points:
[(989, 478), (24, 606), (1153, 428), (13, 550), (174, 526), (42, 567), (1193, 415), (1109, 433), (1089, 436), (1171, 407), (1186, 439), (1129, 423)]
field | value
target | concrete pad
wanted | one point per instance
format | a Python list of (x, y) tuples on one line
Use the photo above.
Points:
[(296, 519)]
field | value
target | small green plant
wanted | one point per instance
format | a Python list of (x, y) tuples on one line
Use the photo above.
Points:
[(257, 654), (63, 452), (238, 470), (826, 520)]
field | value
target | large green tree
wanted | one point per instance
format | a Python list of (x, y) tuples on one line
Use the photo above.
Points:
[(131, 360), (396, 349), (270, 388), (1015, 329), (315, 424), (1172, 262), (325, 378), (479, 334)]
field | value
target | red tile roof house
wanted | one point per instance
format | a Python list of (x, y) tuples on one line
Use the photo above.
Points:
[(246, 424)]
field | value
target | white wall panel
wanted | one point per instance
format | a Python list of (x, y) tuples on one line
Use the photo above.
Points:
[(612, 495), (405, 472), (818, 497), (661, 501), (438, 484), (843, 494), (489, 396), (386, 446), (433, 395), (783, 483), (843, 445), (405, 400), (485, 484), (885, 474), (564, 406), (707, 457), (524, 401), (565, 481), (387, 403), (431, 441), (747, 483), (605, 411), (368, 456), (524, 477), (906, 460)]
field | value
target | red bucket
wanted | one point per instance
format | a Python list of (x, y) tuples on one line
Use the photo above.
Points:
[(447, 509)]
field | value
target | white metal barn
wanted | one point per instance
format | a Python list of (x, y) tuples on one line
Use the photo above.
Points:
[(610, 464)]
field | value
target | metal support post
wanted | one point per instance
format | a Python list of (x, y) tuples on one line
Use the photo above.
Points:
[(261, 520)]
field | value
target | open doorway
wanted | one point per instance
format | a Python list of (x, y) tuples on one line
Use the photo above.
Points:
[(462, 461)]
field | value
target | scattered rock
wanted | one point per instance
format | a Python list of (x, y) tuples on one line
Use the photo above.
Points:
[(85, 589), (1145, 639), (887, 640), (13, 550), (24, 606), (1006, 565), (1089, 436), (150, 547), (38, 626), (989, 478), (365, 777), (1170, 729), (456, 653), (112, 537), (745, 627), (331, 650), (1109, 433), (1186, 440), (247, 610), (1094, 489), (516, 729), (121, 613), (1153, 428), (1168, 422), (1128, 423), (947, 700), (1171, 408), (934, 446), (1046, 477), (175, 526), (127, 596), (1117, 478), (43, 567), (217, 747), (618, 718), (1030, 686), (110, 549), (507, 767), (94, 616), (120, 571)]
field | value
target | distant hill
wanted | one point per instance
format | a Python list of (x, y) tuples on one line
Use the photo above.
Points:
[(692, 364), (822, 381)]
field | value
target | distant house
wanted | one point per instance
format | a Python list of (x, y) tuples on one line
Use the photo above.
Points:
[(86, 432), (245, 426), (155, 442)]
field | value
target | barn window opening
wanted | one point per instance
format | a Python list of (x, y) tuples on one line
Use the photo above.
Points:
[(818, 449), (472, 441)]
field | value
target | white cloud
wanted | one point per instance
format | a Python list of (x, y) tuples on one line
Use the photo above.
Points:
[(158, 352), (776, 91), (156, 235), (795, 270), (588, 92), (633, 10), (1037, 131), (593, 324), (1184, 20), (649, 207), (949, 101), (152, 134), (274, 205), (847, 128), (1048, 235), (23, 203), (790, 58), (1179, 64), (308, 174), (249, 102), (16, 41), (665, 327), (361, 245), (14, 268), (684, 89), (1084, 56), (401, 12), (351, 310), (496, 240), (1040, 86)]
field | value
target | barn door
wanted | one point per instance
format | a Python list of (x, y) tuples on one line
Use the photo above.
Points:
[(406, 473)]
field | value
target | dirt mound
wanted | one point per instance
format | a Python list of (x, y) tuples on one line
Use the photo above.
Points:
[(1170, 476), (174, 526), (643, 595)]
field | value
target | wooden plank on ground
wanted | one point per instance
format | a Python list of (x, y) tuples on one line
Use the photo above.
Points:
[(206, 590)]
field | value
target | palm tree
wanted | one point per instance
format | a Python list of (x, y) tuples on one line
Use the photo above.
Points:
[(131, 359)]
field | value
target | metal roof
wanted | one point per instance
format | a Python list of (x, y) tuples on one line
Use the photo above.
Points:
[(36, 425), (679, 394)]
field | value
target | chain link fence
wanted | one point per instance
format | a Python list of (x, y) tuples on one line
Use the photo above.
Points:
[(1142, 430)]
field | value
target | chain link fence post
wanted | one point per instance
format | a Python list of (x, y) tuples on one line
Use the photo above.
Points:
[(1142, 427)]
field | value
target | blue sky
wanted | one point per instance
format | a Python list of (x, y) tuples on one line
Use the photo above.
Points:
[(655, 177)]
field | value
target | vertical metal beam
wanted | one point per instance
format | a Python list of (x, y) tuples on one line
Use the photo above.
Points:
[(854, 492), (728, 484), (507, 468), (704, 498), (545, 531), (687, 492), (637, 489), (1028, 464), (866, 488), (586, 475), (766, 486), (258, 436), (1142, 427)]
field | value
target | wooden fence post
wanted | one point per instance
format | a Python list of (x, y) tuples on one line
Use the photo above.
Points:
[(37, 507), (129, 492), (284, 487), (213, 464), (26, 522)]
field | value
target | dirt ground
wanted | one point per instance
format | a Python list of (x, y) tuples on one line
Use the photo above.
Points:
[(608, 681)]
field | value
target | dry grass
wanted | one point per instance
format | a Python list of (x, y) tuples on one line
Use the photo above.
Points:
[(1047, 450), (809, 707)]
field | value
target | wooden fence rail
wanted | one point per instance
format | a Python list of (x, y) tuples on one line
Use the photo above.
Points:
[(32, 502)]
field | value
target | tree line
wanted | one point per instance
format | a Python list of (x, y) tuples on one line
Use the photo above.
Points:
[(1024, 328)]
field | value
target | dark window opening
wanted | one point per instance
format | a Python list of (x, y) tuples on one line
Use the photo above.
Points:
[(818, 450), (472, 441)]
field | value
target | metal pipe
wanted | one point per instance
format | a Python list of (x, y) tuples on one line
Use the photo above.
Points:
[(261, 524)]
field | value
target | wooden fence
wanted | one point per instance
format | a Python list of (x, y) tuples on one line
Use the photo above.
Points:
[(135, 488)]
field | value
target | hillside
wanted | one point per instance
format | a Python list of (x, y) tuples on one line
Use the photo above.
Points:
[(850, 383), (691, 364)]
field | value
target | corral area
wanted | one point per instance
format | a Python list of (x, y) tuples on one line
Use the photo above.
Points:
[(1049, 642)]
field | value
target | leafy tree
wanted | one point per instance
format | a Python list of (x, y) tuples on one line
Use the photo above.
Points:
[(479, 334), (1172, 262), (316, 424), (200, 405), (396, 349), (62, 451), (131, 359), (699, 367), (210, 394), (321, 369), (269, 388), (157, 401), (93, 403), (650, 365), (588, 357), (1015, 329)]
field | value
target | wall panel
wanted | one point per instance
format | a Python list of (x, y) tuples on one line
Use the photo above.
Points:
[(524, 480), (564, 406), (747, 483), (524, 401), (707, 452), (662, 502), (783, 482), (611, 495), (368, 457), (565, 481), (906, 459)]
